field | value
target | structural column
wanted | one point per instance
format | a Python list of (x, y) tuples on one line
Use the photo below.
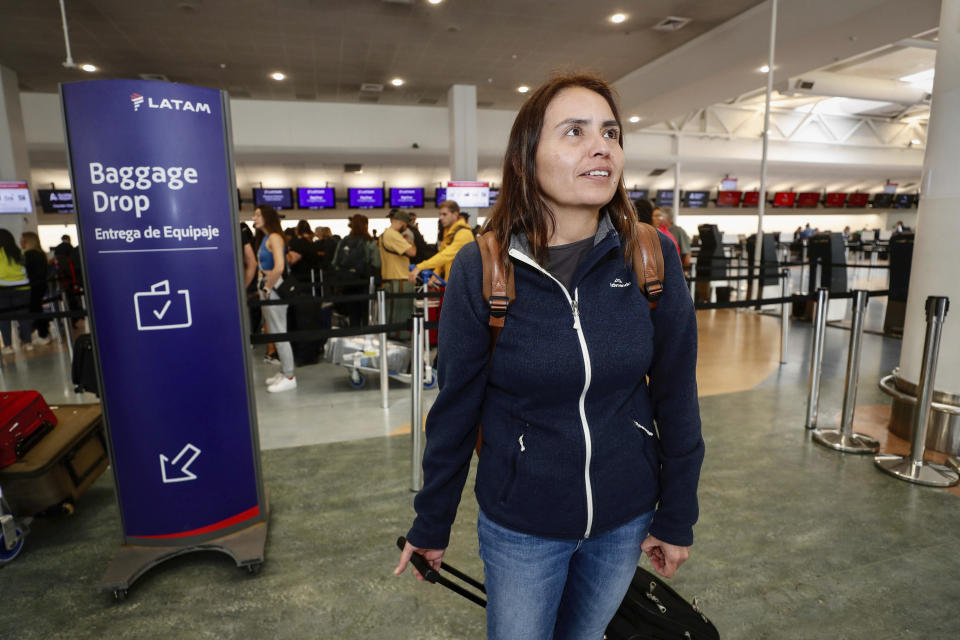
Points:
[(14, 162), (462, 106), (933, 270)]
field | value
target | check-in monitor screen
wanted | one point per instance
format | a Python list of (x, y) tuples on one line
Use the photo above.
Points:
[(401, 197), (15, 197), (56, 200), (316, 198), (365, 198), (276, 198), (728, 198), (835, 200)]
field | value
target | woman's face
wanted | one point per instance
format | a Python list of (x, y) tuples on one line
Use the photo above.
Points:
[(579, 159), (257, 219)]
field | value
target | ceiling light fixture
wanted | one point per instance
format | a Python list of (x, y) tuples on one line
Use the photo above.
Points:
[(276, 75), (915, 142), (523, 88), (765, 69), (397, 82), (89, 68), (617, 18), (634, 119), (434, 1)]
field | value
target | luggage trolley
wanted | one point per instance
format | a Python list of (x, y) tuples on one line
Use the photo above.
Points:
[(361, 355), (13, 531)]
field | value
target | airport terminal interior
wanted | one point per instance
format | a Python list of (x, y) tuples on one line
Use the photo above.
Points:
[(339, 109)]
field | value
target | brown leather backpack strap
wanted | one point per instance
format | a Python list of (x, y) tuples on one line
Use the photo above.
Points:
[(498, 286), (648, 261)]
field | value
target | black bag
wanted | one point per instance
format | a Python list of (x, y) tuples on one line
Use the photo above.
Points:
[(83, 370), (353, 260), (653, 611), (304, 317), (291, 287), (650, 611)]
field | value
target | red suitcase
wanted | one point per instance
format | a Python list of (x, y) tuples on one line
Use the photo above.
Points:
[(24, 419)]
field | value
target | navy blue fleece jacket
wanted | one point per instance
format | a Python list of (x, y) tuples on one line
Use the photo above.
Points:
[(575, 440)]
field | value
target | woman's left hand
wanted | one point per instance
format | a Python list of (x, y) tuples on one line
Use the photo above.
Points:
[(664, 557)]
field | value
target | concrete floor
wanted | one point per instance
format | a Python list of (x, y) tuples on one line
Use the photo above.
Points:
[(794, 541)]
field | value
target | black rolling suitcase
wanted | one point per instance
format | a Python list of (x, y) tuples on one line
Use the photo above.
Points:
[(83, 370), (650, 611)]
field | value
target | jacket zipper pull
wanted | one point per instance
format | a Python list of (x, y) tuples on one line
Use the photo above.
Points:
[(576, 314)]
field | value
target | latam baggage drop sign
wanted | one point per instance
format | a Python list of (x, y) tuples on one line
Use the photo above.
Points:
[(153, 187)]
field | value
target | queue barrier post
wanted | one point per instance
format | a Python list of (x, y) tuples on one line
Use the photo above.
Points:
[(816, 357), (384, 365), (914, 468), (784, 315), (844, 439), (371, 289), (693, 279), (416, 386), (66, 328)]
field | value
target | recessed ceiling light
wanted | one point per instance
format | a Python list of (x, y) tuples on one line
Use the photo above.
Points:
[(89, 68), (617, 18), (276, 75), (915, 141), (434, 1), (765, 69), (523, 88), (397, 82), (634, 118)]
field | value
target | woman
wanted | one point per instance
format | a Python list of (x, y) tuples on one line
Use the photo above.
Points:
[(355, 259), (14, 290), (585, 464), (35, 261), (271, 258)]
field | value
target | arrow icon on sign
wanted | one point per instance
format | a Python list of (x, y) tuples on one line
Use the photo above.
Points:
[(186, 474)]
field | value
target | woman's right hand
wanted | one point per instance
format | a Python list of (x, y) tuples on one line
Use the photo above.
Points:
[(434, 557)]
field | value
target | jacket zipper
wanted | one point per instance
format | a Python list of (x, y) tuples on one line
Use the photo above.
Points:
[(574, 307)]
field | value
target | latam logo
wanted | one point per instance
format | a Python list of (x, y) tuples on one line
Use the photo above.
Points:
[(171, 103), (618, 283)]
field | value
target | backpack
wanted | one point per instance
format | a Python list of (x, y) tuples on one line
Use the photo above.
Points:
[(354, 257), (498, 286), (499, 290)]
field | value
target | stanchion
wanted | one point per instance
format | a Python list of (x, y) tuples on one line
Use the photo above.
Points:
[(693, 281), (371, 289), (914, 468), (66, 329), (784, 315), (803, 266), (816, 357), (844, 439), (416, 385), (384, 364)]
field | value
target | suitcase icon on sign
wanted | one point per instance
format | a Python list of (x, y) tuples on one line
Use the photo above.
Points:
[(159, 309)]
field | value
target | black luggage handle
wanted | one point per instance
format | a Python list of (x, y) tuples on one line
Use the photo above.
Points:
[(431, 575)]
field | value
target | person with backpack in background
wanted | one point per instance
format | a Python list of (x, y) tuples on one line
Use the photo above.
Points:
[(66, 259), (424, 250), (456, 234), (591, 446), (395, 254), (355, 260), (35, 261), (14, 290)]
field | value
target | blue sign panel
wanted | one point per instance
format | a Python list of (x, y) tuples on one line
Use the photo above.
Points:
[(153, 187), (365, 198)]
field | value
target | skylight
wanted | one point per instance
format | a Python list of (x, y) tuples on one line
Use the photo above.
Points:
[(923, 79)]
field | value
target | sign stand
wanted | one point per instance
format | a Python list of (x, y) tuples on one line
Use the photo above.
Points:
[(246, 547), (152, 173)]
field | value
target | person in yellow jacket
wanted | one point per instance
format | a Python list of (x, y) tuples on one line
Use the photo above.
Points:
[(456, 234)]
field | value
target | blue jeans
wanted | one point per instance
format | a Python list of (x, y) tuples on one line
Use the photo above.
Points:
[(546, 589)]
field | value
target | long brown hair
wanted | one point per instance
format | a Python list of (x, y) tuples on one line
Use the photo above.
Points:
[(520, 207), (271, 222), (359, 224)]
